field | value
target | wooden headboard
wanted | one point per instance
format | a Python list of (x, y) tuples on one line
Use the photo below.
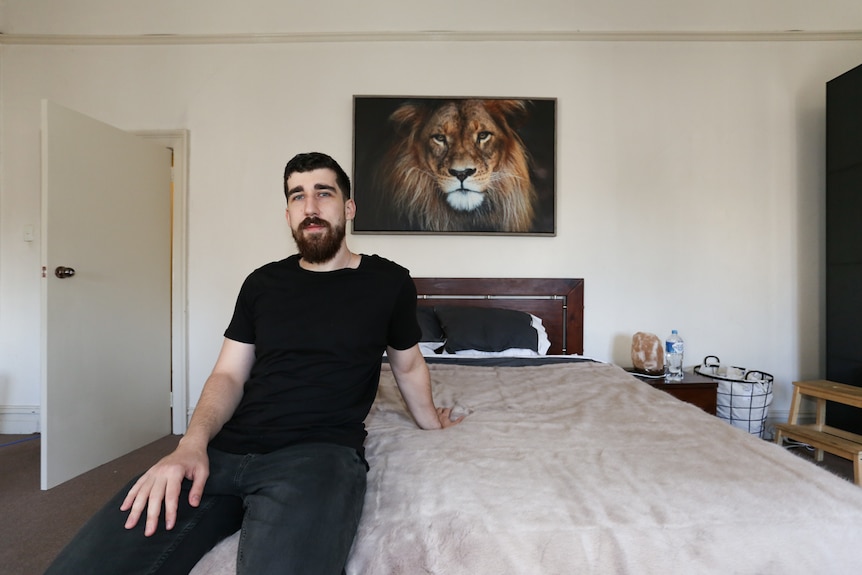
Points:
[(559, 302)]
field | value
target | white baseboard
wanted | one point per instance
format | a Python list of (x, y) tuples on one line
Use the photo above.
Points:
[(19, 419), (773, 417)]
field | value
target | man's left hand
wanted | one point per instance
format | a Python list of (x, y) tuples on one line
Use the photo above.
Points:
[(444, 414)]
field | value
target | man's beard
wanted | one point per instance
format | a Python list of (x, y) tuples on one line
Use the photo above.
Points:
[(322, 246)]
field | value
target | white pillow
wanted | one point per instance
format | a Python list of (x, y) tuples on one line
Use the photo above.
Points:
[(510, 352), (430, 347), (544, 342)]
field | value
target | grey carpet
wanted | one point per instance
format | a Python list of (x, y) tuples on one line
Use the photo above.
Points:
[(37, 524)]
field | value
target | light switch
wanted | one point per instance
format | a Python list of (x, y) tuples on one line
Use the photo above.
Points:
[(28, 233)]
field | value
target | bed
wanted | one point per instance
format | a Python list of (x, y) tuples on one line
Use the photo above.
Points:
[(567, 465)]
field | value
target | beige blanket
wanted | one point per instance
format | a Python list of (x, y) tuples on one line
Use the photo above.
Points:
[(581, 468)]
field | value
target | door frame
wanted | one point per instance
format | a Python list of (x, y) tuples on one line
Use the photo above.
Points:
[(178, 141)]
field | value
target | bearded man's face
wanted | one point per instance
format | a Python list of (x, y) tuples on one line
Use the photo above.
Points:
[(317, 213)]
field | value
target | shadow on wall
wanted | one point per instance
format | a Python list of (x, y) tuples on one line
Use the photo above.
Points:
[(4, 389)]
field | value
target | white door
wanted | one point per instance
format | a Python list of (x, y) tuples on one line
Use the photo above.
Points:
[(106, 327)]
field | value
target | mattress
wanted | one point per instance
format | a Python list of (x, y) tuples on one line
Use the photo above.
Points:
[(566, 466)]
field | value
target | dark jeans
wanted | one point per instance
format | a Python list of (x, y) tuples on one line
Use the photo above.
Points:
[(298, 507)]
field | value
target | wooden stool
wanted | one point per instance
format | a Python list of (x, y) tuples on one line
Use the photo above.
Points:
[(819, 435)]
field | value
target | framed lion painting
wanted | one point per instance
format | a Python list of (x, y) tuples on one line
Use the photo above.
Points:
[(454, 165)]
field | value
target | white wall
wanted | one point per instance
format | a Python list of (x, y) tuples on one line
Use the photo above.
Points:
[(274, 16), (690, 173)]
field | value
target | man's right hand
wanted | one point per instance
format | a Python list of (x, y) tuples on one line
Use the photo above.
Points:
[(161, 484)]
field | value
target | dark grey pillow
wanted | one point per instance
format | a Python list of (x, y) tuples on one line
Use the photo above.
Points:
[(431, 329), (486, 328)]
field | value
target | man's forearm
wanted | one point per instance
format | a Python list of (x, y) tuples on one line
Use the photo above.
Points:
[(217, 403), (221, 394), (417, 396), (414, 382)]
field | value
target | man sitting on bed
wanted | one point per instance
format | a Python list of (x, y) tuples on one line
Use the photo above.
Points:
[(275, 445)]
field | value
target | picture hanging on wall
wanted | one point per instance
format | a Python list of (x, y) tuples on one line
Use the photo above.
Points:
[(453, 165)]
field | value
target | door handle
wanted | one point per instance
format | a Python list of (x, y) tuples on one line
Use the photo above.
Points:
[(64, 272)]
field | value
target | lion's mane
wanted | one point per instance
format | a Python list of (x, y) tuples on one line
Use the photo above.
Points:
[(458, 165)]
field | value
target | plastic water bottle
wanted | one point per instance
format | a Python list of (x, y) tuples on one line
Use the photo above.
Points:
[(674, 348)]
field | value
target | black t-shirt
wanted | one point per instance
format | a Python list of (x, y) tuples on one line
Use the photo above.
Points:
[(319, 338)]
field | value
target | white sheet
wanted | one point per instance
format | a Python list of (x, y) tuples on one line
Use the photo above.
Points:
[(581, 468)]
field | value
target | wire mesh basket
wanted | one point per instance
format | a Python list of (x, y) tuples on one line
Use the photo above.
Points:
[(744, 396)]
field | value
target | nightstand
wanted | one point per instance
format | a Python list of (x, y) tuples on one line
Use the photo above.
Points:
[(695, 389)]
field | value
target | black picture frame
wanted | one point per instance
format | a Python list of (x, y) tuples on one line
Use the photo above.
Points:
[(454, 165)]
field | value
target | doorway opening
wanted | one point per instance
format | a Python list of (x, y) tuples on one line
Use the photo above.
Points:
[(178, 142)]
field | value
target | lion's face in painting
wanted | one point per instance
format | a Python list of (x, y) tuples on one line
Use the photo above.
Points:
[(459, 165)]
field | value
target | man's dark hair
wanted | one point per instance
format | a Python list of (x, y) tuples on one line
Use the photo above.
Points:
[(315, 161)]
